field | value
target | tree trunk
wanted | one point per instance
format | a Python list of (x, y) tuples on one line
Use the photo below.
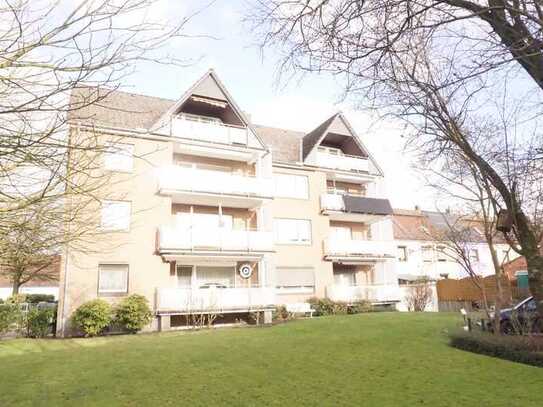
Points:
[(15, 287), (535, 278)]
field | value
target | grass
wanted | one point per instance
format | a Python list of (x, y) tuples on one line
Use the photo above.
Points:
[(381, 359)]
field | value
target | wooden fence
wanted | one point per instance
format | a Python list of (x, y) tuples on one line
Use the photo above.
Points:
[(467, 293)]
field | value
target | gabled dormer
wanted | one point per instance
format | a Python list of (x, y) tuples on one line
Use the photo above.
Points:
[(335, 145), (207, 113)]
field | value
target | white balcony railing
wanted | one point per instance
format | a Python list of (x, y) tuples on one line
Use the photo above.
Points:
[(175, 178), (336, 246), (332, 202), (214, 299), (342, 162), (373, 292), (196, 128), (177, 238)]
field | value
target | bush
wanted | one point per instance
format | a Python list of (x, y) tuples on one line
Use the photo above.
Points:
[(324, 306), (36, 298), (93, 317), (281, 313), (522, 349), (133, 313), (40, 322), (8, 317), (360, 307)]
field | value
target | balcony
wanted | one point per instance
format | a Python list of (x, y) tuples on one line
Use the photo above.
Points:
[(354, 208), (358, 251), (198, 128), (175, 239), (196, 186), (376, 293), (213, 299), (342, 162)]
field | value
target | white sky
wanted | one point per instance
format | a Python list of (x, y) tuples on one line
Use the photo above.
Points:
[(251, 80)]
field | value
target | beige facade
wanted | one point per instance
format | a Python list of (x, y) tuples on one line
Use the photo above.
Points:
[(226, 217)]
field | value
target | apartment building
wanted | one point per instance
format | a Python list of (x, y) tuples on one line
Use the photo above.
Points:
[(206, 212)]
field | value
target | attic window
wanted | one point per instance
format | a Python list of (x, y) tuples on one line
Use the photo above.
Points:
[(212, 102), (331, 150)]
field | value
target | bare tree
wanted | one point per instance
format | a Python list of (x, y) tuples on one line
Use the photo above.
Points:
[(49, 51), (419, 295), (433, 65)]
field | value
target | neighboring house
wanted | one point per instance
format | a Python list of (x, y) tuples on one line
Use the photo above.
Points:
[(515, 267), (419, 255), (227, 217), (47, 286)]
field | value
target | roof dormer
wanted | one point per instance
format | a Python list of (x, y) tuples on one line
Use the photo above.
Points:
[(207, 113), (335, 145)]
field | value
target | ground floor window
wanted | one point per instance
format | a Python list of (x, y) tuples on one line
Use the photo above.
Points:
[(112, 278), (295, 280)]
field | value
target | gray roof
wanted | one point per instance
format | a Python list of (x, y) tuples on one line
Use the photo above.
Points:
[(115, 108), (284, 144)]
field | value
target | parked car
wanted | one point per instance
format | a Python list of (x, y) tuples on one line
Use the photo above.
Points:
[(522, 316)]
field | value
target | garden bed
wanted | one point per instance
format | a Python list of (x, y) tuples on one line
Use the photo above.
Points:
[(516, 348)]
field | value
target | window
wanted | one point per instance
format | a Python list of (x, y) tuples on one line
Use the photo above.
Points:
[(218, 277), (474, 255), (119, 157), (345, 278), (292, 231), (295, 280), (427, 253), (402, 253), (115, 215), (330, 150), (112, 278), (291, 186), (183, 276), (441, 254)]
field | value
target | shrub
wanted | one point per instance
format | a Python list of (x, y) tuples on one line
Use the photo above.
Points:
[(39, 322), (280, 313), (522, 349), (8, 317), (93, 317), (36, 298), (360, 307), (324, 306), (133, 313)]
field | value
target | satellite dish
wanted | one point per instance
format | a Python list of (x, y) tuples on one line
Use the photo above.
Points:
[(245, 271)]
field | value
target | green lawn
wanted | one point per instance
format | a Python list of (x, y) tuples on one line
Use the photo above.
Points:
[(380, 359)]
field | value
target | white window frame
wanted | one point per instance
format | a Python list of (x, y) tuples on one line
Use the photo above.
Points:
[(441, 254), (299, 188), (115, 155), (403, 250), (124, 290), (473, 258), (297, 222), (430, 250), (125, 227)]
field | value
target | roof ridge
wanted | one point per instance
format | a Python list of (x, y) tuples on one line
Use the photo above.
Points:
[(116, 90)]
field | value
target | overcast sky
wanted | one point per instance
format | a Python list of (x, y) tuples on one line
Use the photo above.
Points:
[(250, 78)]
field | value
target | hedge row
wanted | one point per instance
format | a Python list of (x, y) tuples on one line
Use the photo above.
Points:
[(131, 314), (521, 349)]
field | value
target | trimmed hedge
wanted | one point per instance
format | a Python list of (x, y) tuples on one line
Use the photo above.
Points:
[(37, 298), (40, 322), (521, 349), (133, 313), (93, 317), (324, 306)]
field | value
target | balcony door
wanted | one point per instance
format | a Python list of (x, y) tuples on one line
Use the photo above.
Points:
[(340, 233), (206, 221), (183, 276), (345, 278)]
